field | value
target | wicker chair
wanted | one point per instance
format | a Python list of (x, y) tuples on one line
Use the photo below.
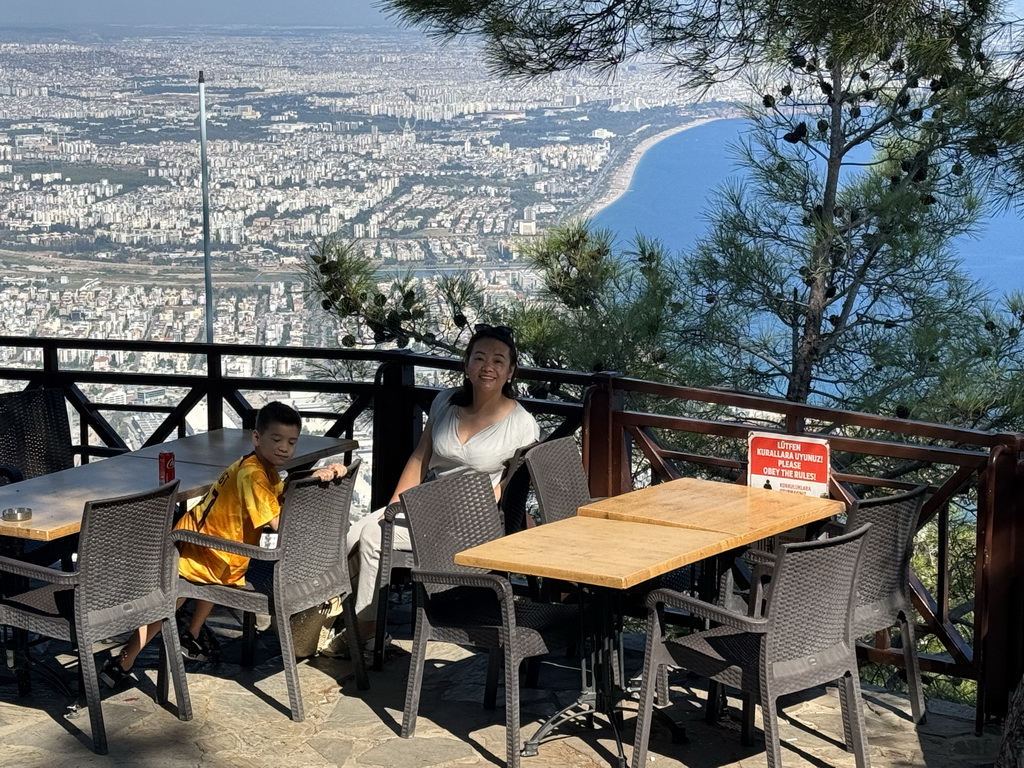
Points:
[(558, 479), (469, 606), (883, 598), (804, 639), (515, 493), (309, 567), (126, 577), (882, 591), (35, 438), (562, 487), (391, 560)]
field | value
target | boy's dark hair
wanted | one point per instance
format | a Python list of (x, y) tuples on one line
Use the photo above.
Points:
[(277, 413)]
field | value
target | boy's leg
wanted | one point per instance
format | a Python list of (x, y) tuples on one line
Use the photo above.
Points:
[(199, 616), (198, 642), (136, 643), (139, 639)]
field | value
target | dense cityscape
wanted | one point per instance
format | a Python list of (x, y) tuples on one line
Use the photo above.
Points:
[(387, 139), (412, 150)]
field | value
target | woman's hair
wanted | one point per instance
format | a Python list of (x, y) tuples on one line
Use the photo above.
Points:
[(464, 397)]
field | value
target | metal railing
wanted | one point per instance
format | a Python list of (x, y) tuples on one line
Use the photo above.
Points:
[(632, 432)]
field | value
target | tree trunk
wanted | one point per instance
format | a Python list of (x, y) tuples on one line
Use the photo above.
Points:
[(1011, 753)]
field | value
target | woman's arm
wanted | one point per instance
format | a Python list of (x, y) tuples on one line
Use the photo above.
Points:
[(415, 467)]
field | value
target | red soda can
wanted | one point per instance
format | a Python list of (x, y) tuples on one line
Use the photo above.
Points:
[(166, 467)]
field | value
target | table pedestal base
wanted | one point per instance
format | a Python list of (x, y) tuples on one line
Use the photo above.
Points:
[(601, 666)]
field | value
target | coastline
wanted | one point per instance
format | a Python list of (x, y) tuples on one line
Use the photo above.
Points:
[(622, 177)]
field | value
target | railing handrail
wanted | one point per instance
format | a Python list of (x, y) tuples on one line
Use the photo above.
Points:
[(740, 400), (789, 408)]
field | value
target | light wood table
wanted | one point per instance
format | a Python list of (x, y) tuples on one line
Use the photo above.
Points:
[(607, 553), (57, 499), (751, 513), (609, 556), (222, 446), (618, 543)]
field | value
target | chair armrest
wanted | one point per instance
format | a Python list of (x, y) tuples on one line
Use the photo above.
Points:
[(831, 528), (760, 583), (759, 557), (225, 545), (40, 572), (391, 511), (12, 473), (705, 610), (498, 584)]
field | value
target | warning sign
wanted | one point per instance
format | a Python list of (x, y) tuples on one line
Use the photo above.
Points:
[(793, 464)]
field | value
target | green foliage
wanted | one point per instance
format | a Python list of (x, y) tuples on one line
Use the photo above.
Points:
[(604, 308), (375, 309), (576, 263)]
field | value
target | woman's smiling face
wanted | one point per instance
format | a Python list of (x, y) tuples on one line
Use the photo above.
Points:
[(489, 365)]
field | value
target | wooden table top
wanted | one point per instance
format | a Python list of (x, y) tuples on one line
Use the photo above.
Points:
[(215, 448), (754, 513), (608, 553), (57, 499)]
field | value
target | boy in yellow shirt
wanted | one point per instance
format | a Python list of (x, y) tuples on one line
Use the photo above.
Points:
[(243, 501)]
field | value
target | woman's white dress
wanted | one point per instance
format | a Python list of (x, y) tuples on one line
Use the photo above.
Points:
[(486, 451)]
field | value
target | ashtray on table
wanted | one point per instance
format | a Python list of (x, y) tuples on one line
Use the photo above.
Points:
[(16, 514)]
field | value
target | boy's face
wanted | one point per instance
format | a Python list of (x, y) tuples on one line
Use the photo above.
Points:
[(275, 445)]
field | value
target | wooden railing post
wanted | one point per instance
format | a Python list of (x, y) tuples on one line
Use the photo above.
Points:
[(999, 588), (215, 394), (397, 425), (604, 444)]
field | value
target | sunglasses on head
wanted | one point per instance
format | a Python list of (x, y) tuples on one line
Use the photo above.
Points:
[(501, 330)]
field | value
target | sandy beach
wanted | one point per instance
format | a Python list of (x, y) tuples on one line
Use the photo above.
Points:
[(622, 177)]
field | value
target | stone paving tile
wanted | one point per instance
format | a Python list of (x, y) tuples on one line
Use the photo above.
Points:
[(241, 721)]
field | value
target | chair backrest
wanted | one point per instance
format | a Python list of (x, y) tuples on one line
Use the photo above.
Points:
[(812, 594), (35, 436), (887, 550), (558, 478), (313, 532), (515, 493), (448, 516), (127, 565)]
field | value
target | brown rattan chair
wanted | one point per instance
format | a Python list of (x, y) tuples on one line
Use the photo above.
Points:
[(515, 493), (310, 566), (35, 437), (470, 606), (126, 577), (562, 487), (804, 639), (559, 479), (883, 598)]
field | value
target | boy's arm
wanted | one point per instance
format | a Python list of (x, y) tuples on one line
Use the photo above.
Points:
[(259, 500), (330, 472), (325, 474)]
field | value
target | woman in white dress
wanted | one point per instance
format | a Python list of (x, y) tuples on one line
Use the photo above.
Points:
[(477, 426)]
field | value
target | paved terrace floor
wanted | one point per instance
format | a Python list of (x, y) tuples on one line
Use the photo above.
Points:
[(241, 721)]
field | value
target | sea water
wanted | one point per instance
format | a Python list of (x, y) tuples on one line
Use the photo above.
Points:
[(672, 189)]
